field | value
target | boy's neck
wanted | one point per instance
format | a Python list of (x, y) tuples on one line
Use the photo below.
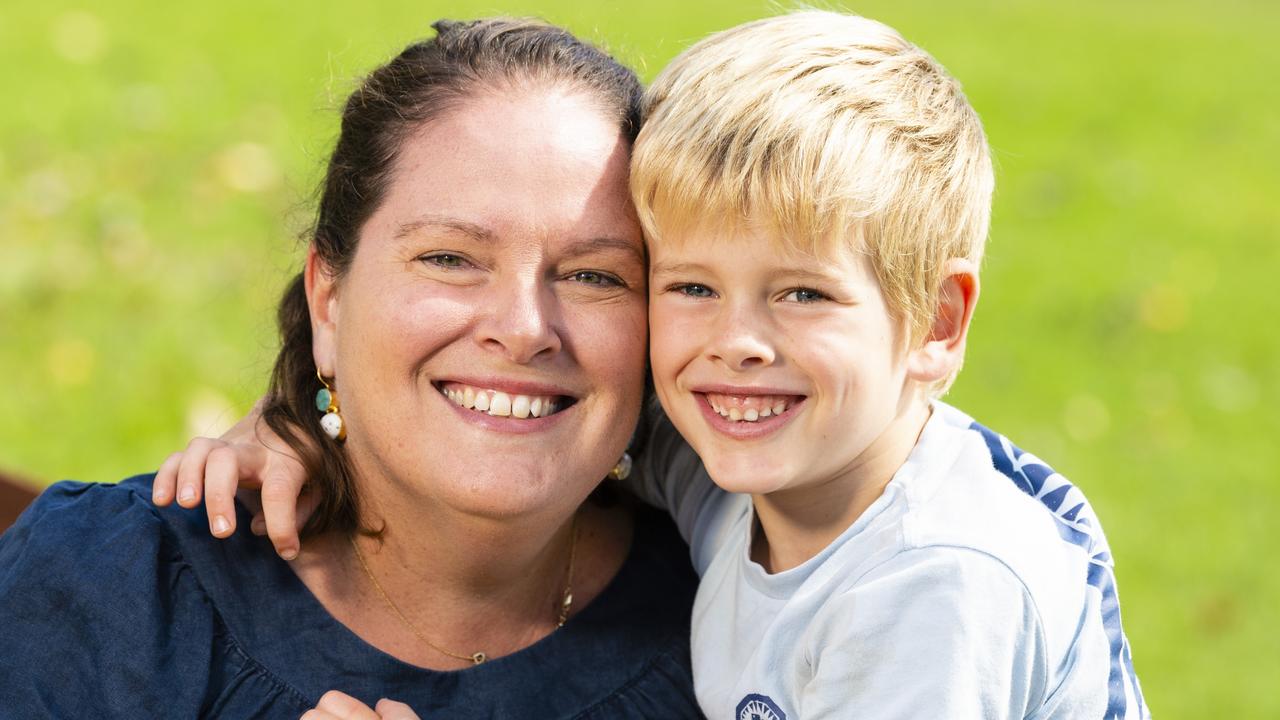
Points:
[(798, 523)]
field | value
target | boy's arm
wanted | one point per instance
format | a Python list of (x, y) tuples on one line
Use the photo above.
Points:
[(251, 458), (932, 633), (669, 475)]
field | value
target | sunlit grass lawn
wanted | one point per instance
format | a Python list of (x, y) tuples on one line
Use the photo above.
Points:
[(156, 163)]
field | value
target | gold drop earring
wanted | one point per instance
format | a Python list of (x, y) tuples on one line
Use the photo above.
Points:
[(622, 470)]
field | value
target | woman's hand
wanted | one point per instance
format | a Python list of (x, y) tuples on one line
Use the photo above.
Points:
[(340, 706), (249, 456)]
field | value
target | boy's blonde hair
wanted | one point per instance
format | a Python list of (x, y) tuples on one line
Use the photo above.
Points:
[(829, 132)]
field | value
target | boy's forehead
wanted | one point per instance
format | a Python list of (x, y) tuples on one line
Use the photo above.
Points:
[(728, 238)]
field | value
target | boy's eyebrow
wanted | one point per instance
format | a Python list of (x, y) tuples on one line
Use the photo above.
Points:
[(676, 268), (801, 274), (681, 268)]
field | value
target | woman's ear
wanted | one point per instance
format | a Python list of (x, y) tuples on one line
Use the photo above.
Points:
[(942, 350), (322, 300)]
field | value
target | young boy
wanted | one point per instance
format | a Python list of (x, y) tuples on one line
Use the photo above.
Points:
[(815, 192)]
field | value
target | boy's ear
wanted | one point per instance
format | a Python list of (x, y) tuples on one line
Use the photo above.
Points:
[(942, 349), (322, 300)]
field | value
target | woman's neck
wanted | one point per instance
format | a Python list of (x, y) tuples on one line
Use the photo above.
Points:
[(466, 584)]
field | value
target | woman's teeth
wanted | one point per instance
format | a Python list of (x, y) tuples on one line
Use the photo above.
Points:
[(501, 404), (749, 408)]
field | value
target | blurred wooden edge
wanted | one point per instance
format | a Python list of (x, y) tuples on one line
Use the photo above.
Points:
[(15, 496)]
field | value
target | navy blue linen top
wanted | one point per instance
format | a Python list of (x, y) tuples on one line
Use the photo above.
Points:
[(111, 607)]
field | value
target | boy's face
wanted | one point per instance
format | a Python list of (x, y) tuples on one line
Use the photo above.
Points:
[(782, 371)]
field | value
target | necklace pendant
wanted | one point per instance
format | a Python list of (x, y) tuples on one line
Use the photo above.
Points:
[(479, 658)]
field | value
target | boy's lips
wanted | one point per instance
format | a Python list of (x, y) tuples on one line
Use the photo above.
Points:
[(747, 413)]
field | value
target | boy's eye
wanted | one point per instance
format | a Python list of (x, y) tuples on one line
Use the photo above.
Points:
[(444, 260), (804, 295), (694, 290), (598, 279)]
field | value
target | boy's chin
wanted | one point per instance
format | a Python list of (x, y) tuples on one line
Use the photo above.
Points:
[(749, 475)]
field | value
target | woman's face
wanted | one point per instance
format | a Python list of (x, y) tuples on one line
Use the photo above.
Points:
[(489, 338)]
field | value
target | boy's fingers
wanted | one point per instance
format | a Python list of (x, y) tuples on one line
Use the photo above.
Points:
[(164, 486), (392, 710), (314, 714), (344, 706), (220, 478), (280, 510), (258, 526), (250, 498), (307, 503), (191, 470)]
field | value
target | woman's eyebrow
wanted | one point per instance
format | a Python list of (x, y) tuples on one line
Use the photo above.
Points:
[(470, 229), (604, 244), (479, 232)]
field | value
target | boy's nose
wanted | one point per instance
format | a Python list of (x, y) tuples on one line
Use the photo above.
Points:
[(740, 346)]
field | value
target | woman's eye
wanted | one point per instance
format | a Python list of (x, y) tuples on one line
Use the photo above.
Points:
[(804, 295), (599, 279), (694, 290), (444, 260)]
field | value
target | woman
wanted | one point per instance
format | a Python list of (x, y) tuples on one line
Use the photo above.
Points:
[(474, 237)]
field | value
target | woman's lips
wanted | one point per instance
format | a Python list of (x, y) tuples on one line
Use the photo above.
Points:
[(503, 404)]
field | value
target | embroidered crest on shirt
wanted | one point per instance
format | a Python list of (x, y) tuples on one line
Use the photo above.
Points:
[(759, 707)]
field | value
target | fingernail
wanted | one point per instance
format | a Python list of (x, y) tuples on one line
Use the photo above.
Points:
[(289, 553), (158, 496), (187, 494), (258, 526), (221, 526)]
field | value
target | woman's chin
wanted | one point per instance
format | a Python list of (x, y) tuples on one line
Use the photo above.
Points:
[(508, 490)]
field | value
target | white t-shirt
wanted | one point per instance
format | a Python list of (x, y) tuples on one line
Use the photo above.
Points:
[(979, 585)]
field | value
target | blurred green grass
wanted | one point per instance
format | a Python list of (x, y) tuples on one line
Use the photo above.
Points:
[(156, 163)]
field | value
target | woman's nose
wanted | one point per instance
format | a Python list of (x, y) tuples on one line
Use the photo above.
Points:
[(521, 322)]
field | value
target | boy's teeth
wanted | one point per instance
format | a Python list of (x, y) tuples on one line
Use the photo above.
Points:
[(749, 408), (501, 404)]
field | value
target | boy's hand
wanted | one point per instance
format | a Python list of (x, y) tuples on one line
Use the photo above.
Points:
[(339, 706), (253, 458)]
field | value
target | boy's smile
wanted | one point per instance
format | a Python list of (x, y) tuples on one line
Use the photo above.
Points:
[(782, 370), (746, 412)]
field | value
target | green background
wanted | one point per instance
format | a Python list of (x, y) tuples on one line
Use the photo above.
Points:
[(156, 164)]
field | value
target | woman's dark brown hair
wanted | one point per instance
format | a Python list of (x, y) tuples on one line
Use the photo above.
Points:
[(426, 79)]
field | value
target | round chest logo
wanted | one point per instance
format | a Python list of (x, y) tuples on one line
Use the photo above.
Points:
[(759, 707)]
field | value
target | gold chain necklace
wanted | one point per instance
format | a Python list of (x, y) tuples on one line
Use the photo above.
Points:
[(566, 601)]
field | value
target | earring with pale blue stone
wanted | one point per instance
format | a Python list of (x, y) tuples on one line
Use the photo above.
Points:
[(327, 403)]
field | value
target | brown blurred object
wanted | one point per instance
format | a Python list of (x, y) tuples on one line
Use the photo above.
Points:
[(15, 496)]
